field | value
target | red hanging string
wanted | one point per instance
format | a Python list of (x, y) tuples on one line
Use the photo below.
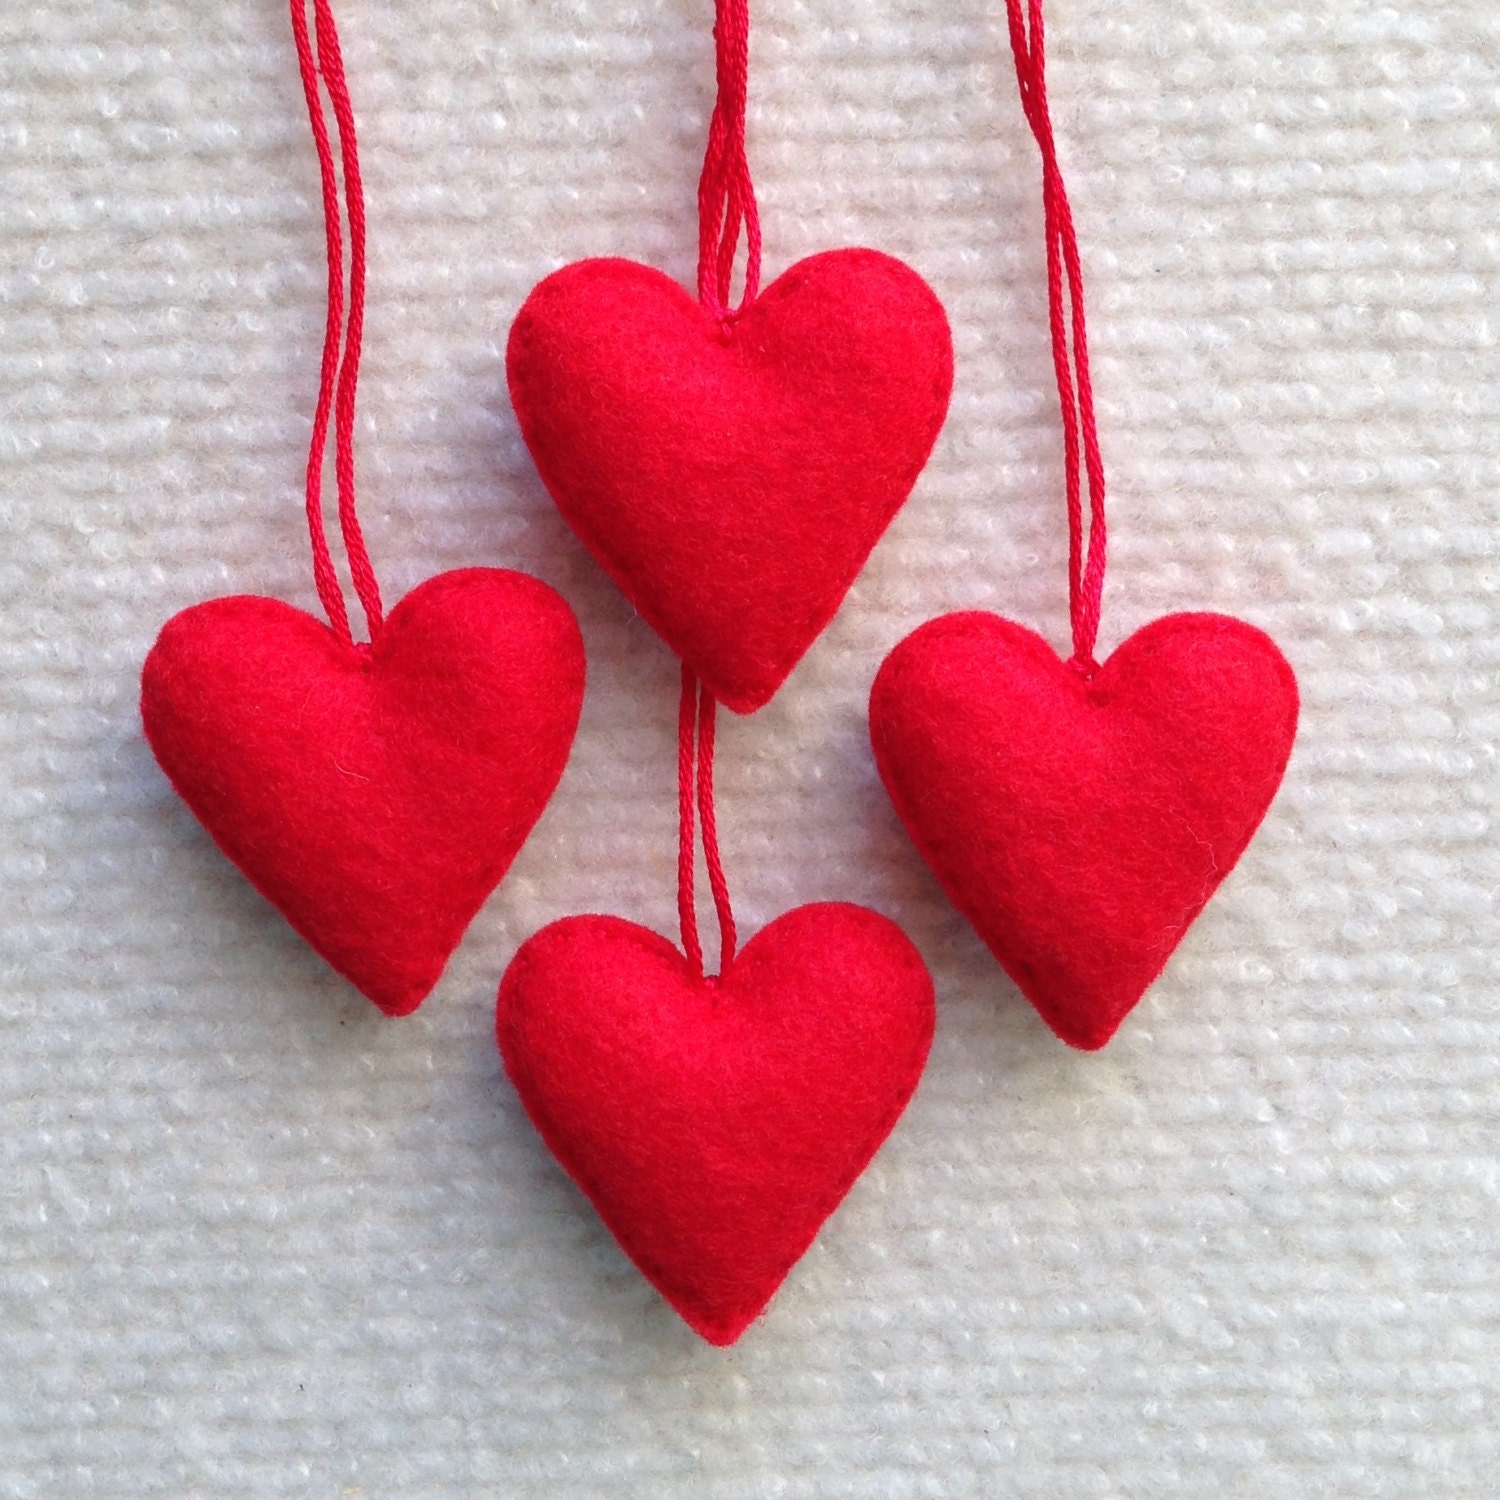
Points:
[(726, 194), (718, 882), (687, 913), (342, 339), (331, 58), (1065, 302), (323, 570), (726, 208), (695, 780)]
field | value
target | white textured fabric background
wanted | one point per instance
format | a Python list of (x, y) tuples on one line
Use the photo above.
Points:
[(256, 1241)]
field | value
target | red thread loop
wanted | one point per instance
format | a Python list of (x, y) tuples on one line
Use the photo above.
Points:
[(726, 194), (343, 337), (695, 783), (1064, 270)]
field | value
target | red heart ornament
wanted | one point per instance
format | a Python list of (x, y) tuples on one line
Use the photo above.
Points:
[(1082, 822), (732, 477), (716, 1123), (375, 794)]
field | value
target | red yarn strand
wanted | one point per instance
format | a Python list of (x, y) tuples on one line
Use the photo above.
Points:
[(343, 336), (726, 210), (726, 193), (718, 882), (687, 912), (1065, 305), (695, 782), (331, 58), (323, 570)]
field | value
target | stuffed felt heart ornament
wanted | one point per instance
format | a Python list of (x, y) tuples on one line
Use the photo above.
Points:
[(716, 1123), (374, 794), (1081, 821), (732, 473)]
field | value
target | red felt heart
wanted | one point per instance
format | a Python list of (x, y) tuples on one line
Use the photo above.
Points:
[(732, 478), (375, 795), (715, 1124), (1081, 823)]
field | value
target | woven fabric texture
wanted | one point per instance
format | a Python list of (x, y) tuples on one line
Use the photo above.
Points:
[(257, 1241)]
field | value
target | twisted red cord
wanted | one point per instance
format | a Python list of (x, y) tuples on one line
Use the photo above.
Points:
[(695, 781), (332, 60), (1075, 389), (687, 912), (726, 208), (342, 338), (718, 882), (726, 193), (323, 569)]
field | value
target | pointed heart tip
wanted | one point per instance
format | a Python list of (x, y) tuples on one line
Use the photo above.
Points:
[(404, 1005), (1089, 1038), (720, 1332)]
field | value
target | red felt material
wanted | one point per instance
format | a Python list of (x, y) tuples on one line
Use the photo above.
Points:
[(732, 475), (715, 1124), (1080, 823), (374, 794)]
